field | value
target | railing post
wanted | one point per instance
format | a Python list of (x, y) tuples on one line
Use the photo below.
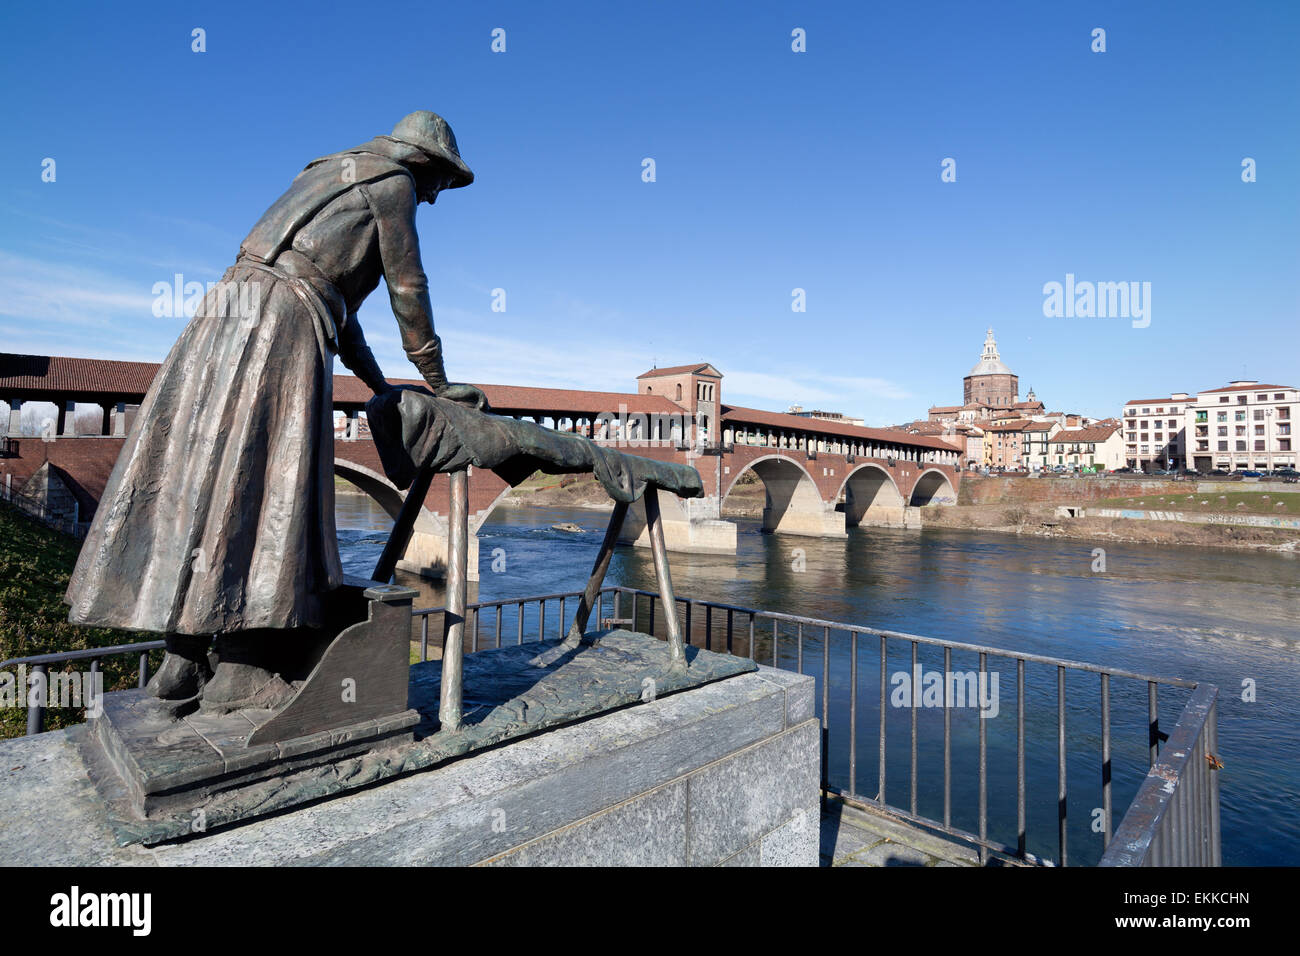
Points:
[(1105, 759), (453, 650), (1060, 763), (36, 710), (1020, 758)]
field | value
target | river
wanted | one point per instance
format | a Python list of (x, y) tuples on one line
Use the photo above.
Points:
[(1228, 617)]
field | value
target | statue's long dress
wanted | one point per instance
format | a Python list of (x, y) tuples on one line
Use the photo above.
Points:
[(219, 515)]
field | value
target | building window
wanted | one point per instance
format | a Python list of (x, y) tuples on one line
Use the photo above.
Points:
[(1223, 417), (679, 393)]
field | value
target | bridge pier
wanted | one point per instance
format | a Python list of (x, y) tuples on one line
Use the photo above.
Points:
[(693, 525), (824, 522), (426, 555), (891, 515)]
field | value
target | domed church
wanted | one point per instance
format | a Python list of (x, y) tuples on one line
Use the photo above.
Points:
[(991, 391)]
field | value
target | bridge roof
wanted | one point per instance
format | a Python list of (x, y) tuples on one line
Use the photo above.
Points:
[(42, 377), (32, 376), (821, 426), (35, 376), (521, 398)]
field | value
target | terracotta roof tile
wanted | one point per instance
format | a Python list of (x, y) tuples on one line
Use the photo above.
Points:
[(1094, 433), (74, 376), (780, 420), (1243, 388), (676, 370)]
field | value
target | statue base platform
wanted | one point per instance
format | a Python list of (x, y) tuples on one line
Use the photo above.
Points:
[(164, 779), (725, 773)]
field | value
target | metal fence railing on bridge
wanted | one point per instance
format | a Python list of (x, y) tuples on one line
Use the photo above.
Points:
[(1172, 817)]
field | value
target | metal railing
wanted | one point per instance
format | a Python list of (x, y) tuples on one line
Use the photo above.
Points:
[(40, 664), (1189, 820), (1173, 820)]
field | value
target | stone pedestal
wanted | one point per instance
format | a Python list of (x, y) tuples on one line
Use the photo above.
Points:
[(725, 773)]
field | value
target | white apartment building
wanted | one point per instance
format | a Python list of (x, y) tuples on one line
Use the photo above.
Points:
[(1244, 425), (1154, 432), (1093, 448)]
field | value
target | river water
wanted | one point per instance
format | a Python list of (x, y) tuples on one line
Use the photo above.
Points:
[(1228, 617)]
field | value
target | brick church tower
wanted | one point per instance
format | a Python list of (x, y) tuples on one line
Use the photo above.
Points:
[(990, 383)]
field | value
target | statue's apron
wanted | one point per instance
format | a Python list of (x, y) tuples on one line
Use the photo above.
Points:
[(219, 514)]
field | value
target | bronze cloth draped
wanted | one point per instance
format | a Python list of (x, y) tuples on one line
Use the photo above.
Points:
[(219, 514)]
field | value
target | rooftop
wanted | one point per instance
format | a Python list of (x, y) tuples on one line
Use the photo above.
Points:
[(1093, 433), (757, 416), (699, 368)]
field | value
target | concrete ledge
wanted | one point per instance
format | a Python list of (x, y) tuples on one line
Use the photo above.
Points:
[(725, 773)]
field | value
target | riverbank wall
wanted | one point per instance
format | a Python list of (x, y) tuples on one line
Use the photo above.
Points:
[(1047, 519)]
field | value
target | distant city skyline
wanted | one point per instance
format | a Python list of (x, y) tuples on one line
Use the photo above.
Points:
[(780, 177)]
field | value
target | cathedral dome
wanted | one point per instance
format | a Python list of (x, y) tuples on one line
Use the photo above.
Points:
[(990, 363)]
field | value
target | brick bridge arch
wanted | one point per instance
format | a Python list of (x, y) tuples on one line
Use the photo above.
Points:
[(794, 503), (871, 494), (932, 486)]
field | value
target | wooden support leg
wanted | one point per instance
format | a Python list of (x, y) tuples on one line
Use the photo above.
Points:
[(453, 647), (588, 599), (655, 525), (402, 528)]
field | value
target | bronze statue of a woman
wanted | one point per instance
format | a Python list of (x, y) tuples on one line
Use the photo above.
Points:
[(218, 518)]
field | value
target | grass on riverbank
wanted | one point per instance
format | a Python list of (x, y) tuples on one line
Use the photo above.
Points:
[(1236, 502), (35, 565)]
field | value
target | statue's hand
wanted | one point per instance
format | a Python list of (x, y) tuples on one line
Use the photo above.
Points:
[(465, 395)]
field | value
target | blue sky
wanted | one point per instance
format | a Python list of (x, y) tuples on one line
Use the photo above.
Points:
[(775, 170)]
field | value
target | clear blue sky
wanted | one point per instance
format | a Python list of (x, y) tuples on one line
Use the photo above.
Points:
[(775, 170)]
